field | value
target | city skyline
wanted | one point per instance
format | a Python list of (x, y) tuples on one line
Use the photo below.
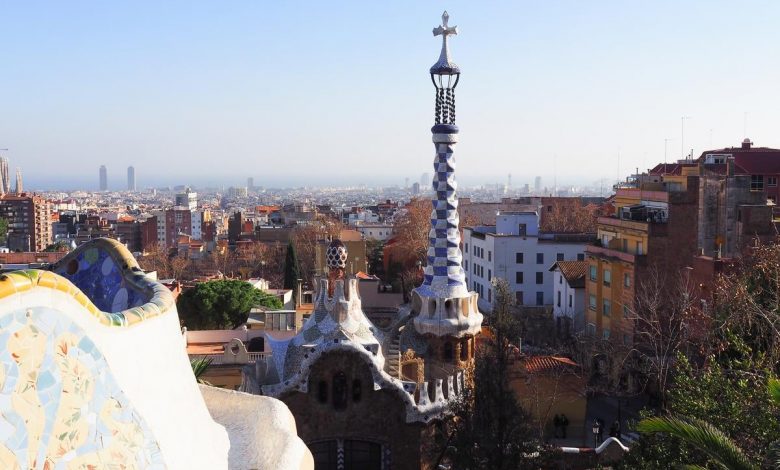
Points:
[(216, 84)]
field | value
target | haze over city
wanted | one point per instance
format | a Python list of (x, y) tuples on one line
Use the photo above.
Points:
[(207, 94)]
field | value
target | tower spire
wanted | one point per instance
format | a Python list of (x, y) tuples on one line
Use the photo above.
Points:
[(19, 186), (443, 302)]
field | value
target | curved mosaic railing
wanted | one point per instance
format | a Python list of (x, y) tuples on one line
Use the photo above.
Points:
[(116, 290), (78, 392)]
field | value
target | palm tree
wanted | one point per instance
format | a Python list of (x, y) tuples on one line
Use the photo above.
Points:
[(199, 366), (709, 439)]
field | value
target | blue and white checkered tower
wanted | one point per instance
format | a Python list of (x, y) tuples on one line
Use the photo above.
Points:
[(443, 303)]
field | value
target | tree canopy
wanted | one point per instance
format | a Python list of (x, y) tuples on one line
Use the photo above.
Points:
[(723, 385), (221, 304), (492, 430)]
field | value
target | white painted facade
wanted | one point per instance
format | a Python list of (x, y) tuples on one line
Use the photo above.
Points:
[(515, 250), (568, 302), (381, 232)]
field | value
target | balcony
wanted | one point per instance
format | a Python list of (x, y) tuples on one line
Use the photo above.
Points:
[(604, 252), (642, 194), (224, 359), (618, 225)]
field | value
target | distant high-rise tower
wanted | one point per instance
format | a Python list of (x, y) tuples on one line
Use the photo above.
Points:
[(19, 185), (5, 176), (103, 178), (538, 184), (130, 178), (425, 181), (250, 183), (509, 180)]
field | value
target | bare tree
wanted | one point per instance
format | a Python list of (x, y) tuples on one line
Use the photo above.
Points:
[(747, 300), (662, 314), (570, 216), (156, 258), (412, 227)]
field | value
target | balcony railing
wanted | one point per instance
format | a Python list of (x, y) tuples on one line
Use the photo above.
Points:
[(608, 252), (221, 359)]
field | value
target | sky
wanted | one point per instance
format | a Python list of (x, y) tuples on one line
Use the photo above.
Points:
[(338, 92)]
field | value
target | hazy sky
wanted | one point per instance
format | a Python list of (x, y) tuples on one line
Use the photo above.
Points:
[(338, 91)]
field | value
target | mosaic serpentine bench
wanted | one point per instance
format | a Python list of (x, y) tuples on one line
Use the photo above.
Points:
[(94, 374)]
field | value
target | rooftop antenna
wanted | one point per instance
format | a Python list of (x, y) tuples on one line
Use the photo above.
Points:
[(744, 125), (618, 165), (666, 141), (682, 136), (555, 174)]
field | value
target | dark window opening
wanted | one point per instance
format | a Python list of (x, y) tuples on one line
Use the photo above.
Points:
[(357, 390), (340, 391), (464, 350), (448, 356), (322, 391), (256, 344)]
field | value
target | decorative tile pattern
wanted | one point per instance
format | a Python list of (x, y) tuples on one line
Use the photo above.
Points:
[(444, 270), (100, 278), (60, 406), (19, 281)]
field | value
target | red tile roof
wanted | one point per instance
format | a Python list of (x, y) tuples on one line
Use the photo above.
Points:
[(573, 271), (537, 364), (754, 160)]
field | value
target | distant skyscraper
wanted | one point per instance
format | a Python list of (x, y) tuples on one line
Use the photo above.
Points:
[(425, 181), (5, 176), (103, 178), (130, 178), (250, 183), (538, 184), (406, 183), (19, 185), (509, 180)]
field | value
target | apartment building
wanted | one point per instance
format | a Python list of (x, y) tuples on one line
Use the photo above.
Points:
[(516, 250), (29, 221)]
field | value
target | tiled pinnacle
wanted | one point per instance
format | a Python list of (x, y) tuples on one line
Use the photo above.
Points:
[(444, 270)]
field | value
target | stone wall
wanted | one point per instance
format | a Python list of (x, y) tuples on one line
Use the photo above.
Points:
[(371, 415)]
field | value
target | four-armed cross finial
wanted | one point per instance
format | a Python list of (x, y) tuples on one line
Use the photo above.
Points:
[(444, 31)]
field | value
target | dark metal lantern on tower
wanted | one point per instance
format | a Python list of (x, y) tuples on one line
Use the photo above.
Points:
[(445, 75)]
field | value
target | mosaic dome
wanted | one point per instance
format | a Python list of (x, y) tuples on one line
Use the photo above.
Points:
[(336, 255)]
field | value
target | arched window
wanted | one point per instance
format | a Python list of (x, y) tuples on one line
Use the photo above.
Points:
[(448, 352), (340, 390), (322, 391), (357, 390)]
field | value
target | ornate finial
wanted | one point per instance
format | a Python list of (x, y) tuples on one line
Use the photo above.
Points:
[(336, 255), (445, 66)]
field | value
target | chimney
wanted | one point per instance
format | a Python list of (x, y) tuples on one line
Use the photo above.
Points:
[(730, 163), (746, 144)]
